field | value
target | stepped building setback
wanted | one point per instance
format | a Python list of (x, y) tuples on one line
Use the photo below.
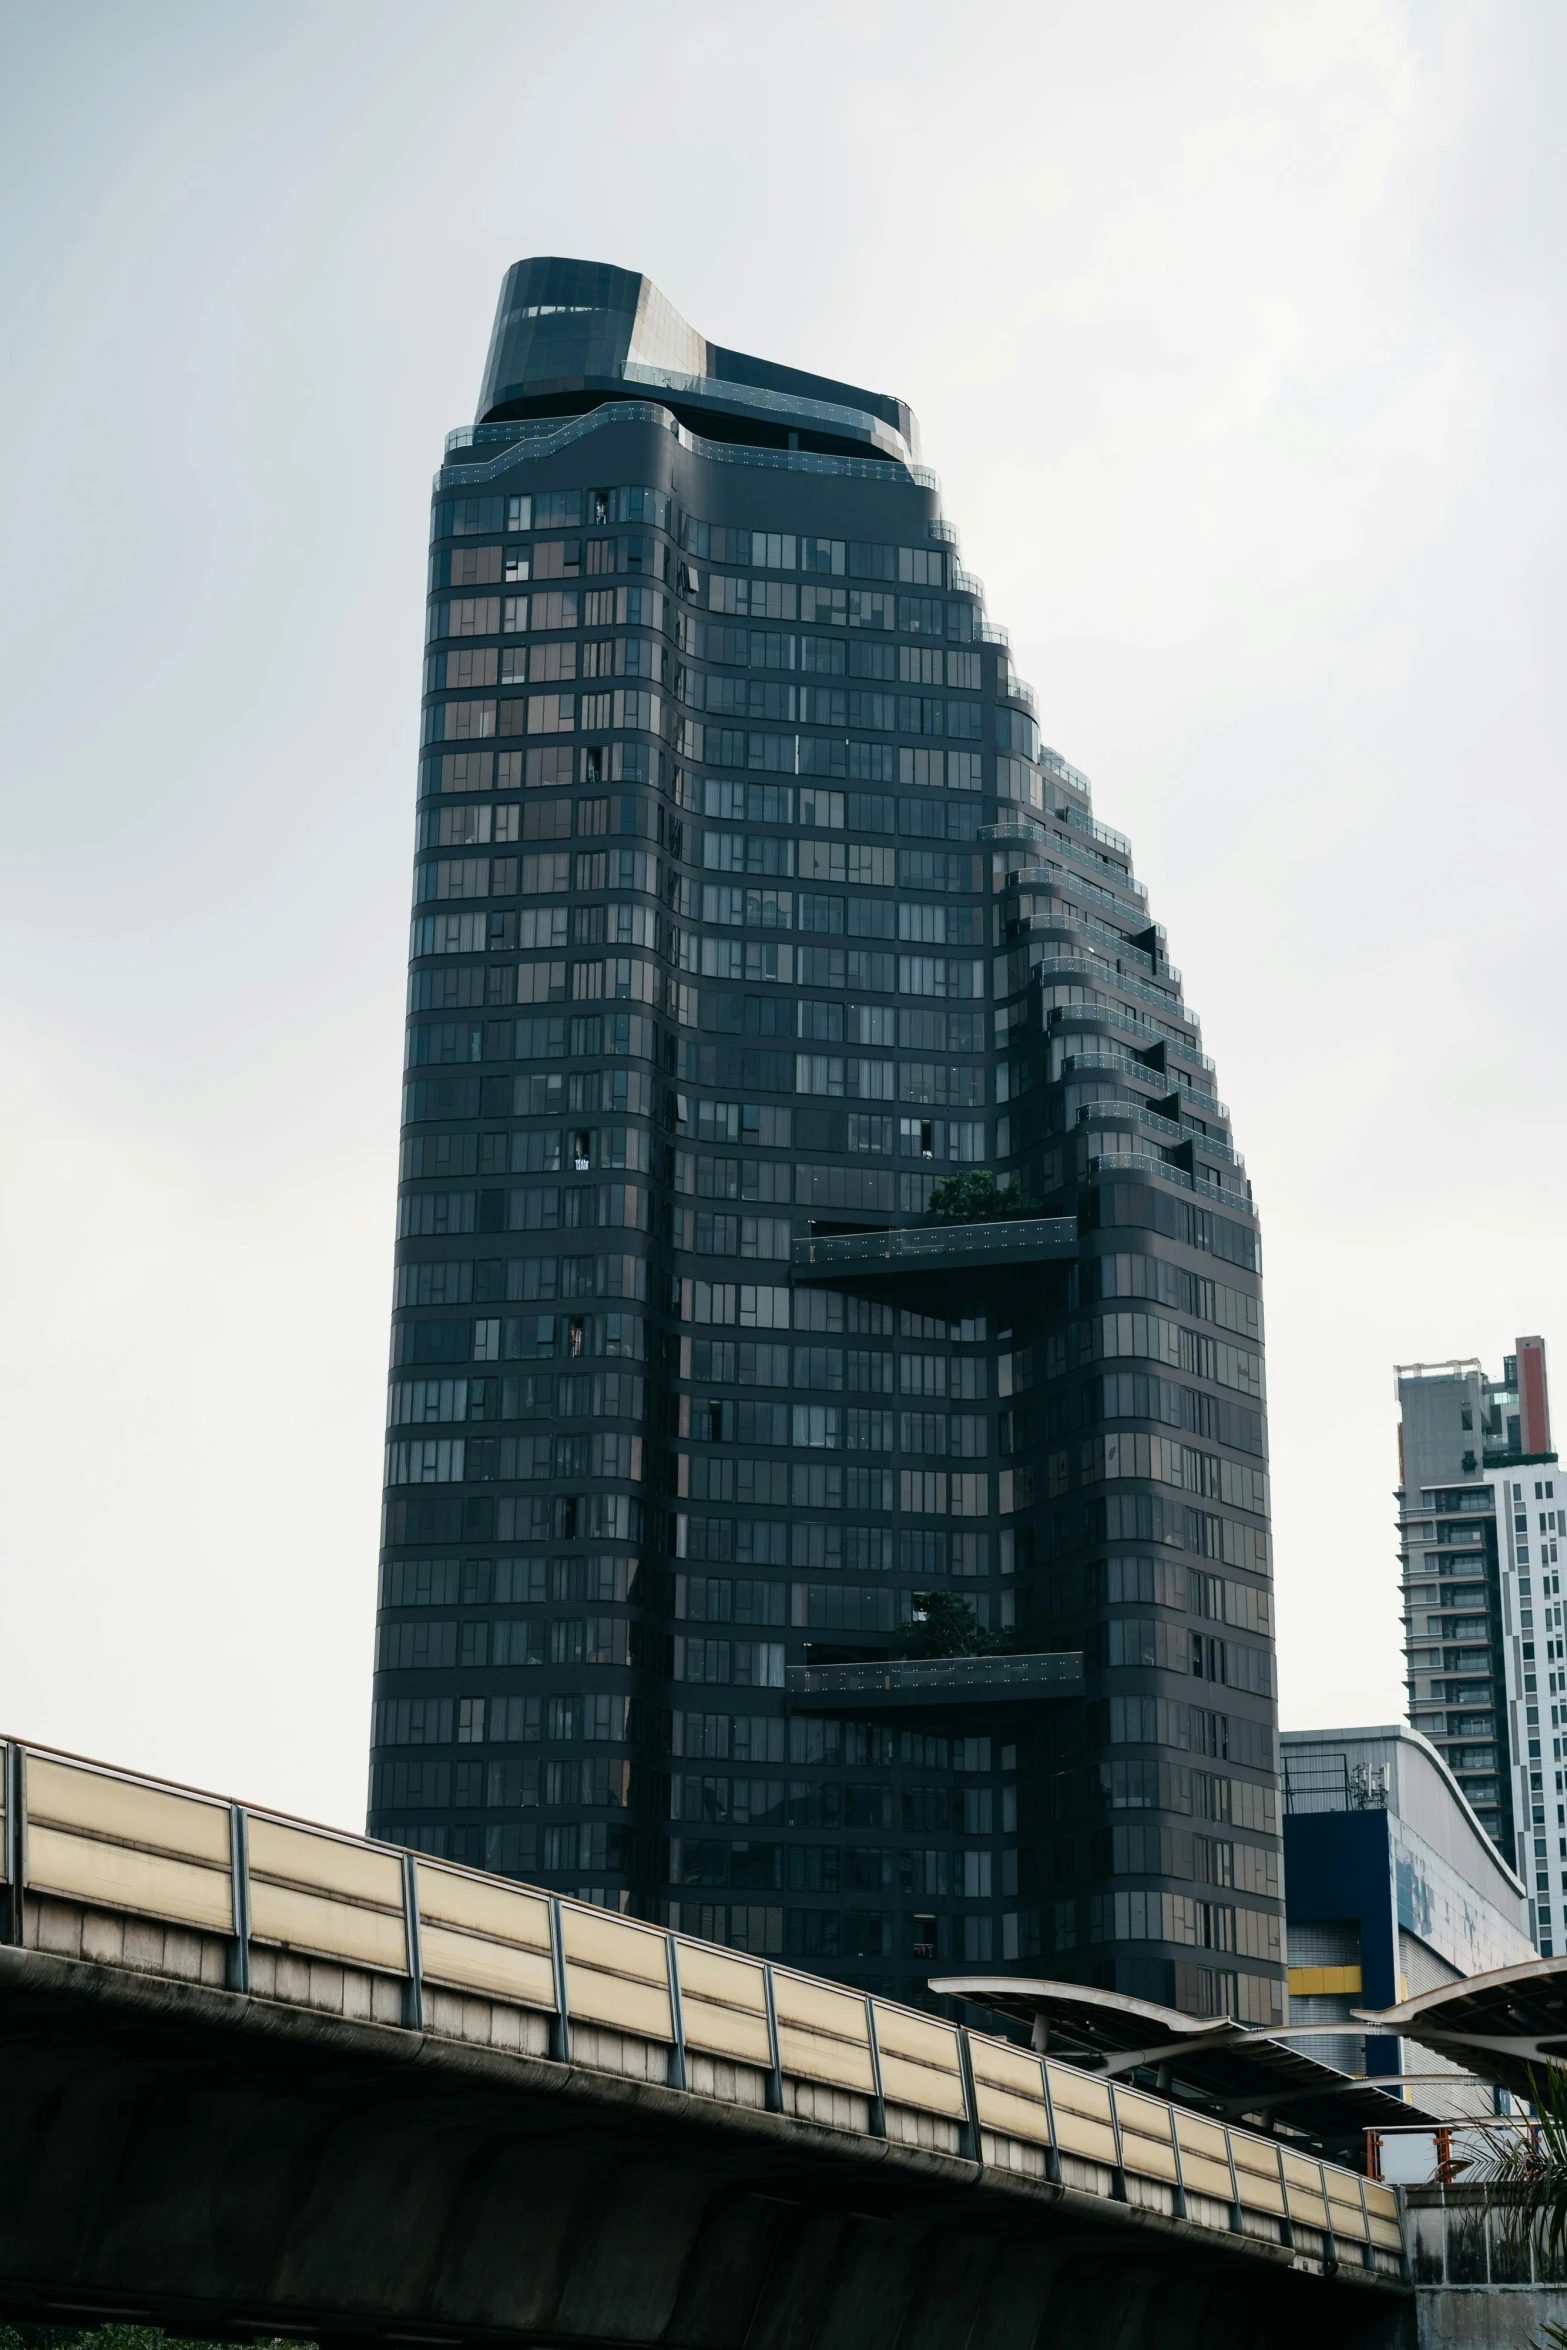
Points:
[(748, 905)]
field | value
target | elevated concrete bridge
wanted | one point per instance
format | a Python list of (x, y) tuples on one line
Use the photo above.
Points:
[(258, 2077)]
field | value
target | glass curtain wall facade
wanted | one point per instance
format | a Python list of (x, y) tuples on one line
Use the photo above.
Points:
[(748, 905)]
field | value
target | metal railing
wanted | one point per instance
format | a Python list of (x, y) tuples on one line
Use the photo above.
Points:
[(156, 1877), (1019, 1240), (1319, 1780)]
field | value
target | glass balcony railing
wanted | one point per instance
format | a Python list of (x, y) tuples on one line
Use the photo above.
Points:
[(1206, 1105), (938, 1247), (942, 1680), (1109, 877), (1167, 1131), (1059, 1017), (547, 440), (1063, 768), (1056, 914), (1103, 975), (1141, 1163)]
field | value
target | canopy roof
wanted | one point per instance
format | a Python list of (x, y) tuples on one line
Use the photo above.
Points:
[(1210, 2063), (1502, 2025)]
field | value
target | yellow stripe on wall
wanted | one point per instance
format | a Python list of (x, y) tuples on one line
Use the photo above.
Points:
[(1315, 1982)]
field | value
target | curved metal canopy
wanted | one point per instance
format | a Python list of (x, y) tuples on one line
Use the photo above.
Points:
[(1503, 2025), (1210, 2063)]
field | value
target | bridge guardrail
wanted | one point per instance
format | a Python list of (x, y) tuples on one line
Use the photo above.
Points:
[(243, 1880)]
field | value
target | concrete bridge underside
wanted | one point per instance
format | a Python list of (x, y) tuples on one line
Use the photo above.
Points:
[(227, 2166)]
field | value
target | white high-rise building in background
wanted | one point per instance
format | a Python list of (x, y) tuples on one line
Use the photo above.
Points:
[(1482, 1515)]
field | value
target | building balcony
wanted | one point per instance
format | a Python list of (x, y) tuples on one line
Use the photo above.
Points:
[(1139, 1163), (937, 1682), (858, 1257)]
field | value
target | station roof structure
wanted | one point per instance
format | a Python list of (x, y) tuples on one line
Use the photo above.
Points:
[(1505, 2026), (1209, 2063)]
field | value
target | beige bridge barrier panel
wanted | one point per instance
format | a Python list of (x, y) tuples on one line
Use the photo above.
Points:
[(1205, 2159), (617, 1972), (483, 1934), (1258, 2183), (118, 1843), (723, 2003), (1303, 2183), (1083, 2121), (823, 2033), (920, 2064), (1382, 2216), (1009, 2091), (1147, 2145), (326, 1896)]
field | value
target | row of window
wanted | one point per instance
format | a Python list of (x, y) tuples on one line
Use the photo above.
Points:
[(550, 766), (600, 558), (473, 823), (721, 1801), (605, 1783), (515, 512), (514, 1279), (455, 1460), (617, 1395), (830, 1428), (767, 909), (547, 609), (838, 1868), (544, 661), (855, 969), (549, 509), (473, 667), (753, 1739), (476, 1582), (456, 572)]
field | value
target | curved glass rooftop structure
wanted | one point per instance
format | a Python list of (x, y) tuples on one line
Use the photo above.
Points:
[(570, 334)]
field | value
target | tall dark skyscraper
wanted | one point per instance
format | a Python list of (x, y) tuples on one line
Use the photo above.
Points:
[(748, 906)]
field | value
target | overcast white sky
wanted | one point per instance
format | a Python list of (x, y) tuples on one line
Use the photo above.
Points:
[(1236, 334)]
